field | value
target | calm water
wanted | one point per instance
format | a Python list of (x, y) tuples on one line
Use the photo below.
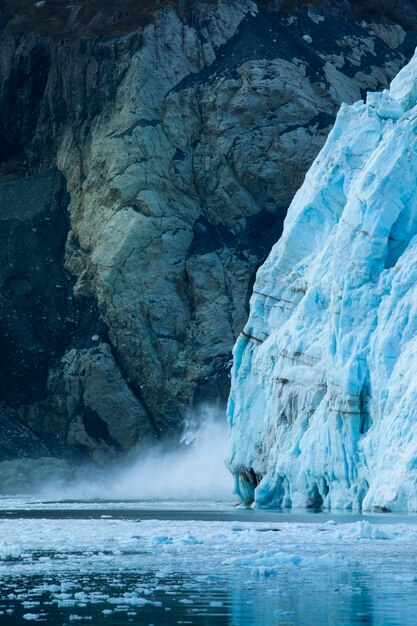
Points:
[(119, 563)]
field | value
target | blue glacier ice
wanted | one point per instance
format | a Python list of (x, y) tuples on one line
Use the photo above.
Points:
[(323, 405)]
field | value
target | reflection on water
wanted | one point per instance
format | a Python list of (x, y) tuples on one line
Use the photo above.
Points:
[(320, 598), (346, 599)]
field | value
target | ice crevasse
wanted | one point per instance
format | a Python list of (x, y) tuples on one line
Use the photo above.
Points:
[(323, 405)]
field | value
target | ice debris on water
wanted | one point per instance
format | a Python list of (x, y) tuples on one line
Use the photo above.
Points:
[(142, 575)]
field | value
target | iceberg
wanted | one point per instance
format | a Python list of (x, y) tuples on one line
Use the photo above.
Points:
[(323, 403)]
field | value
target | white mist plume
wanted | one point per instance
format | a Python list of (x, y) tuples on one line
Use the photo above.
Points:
[(194, 470)]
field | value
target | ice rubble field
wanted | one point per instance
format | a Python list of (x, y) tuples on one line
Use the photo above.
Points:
[(116, 571), (324, 385)]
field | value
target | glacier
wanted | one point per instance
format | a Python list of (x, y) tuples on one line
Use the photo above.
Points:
[(323, 403)]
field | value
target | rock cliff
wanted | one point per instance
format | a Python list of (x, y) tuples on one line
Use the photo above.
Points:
[(147, 162)]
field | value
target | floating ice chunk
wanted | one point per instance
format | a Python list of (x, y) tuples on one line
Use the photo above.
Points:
[(163, 539), (365, 530), (81, 596), (66, 603), (308, 39), (132, 601)]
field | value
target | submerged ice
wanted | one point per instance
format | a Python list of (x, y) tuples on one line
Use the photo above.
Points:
[(323, 406)]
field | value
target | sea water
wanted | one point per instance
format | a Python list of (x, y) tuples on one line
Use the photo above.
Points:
[(204, 563)]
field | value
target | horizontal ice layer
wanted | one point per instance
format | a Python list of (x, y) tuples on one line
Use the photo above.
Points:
[(323, 406)]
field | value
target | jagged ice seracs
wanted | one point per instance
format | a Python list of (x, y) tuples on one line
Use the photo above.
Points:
[(323, 405)]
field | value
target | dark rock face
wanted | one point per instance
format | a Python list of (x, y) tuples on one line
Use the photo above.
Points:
[(161, 162), (22, 89), (36, 304), (16, 439)]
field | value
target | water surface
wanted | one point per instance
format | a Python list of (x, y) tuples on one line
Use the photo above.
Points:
[(204, 563)]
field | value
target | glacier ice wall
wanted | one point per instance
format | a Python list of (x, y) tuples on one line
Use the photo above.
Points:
[(323, 406)]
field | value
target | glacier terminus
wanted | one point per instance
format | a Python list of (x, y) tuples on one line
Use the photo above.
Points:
[(323, 405)]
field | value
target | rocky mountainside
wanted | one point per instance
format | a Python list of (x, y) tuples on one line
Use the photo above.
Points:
[(324, 392), (147, 162)]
